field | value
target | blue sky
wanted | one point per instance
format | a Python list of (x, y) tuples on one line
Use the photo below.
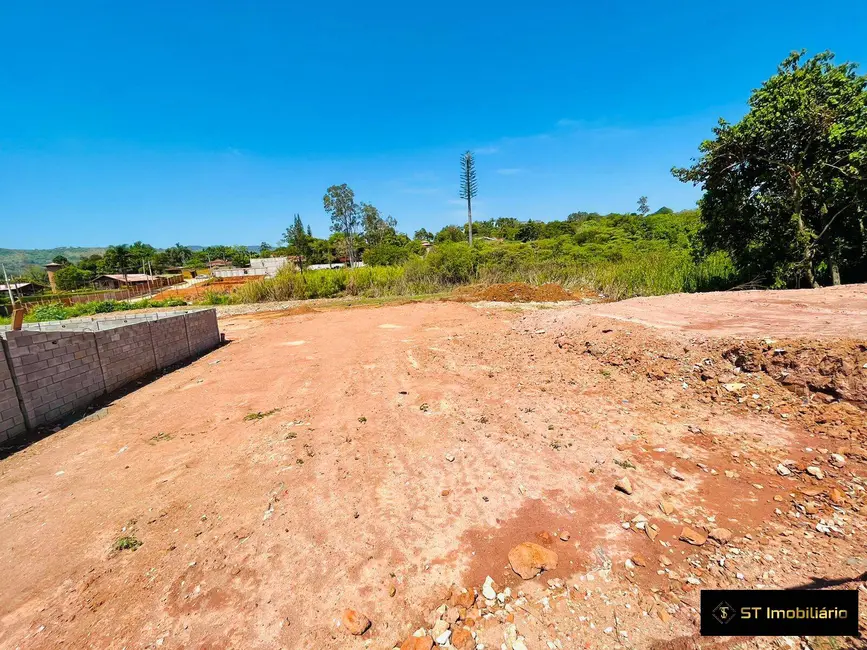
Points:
[(214, 122)]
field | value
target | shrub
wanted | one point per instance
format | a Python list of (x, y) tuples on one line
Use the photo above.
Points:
[(53, 311), (454, 263)]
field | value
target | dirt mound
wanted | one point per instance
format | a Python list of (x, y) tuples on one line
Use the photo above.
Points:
[(523, 292)]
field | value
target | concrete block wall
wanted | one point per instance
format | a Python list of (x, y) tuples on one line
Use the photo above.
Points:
[(57, 373), (202, 331), (125, 353), (170, 340), (11, 417)]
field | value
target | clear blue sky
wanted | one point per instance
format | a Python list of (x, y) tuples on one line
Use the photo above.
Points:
[(213, 122)]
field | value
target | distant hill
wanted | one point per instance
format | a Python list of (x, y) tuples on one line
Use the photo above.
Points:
[(17, 260)]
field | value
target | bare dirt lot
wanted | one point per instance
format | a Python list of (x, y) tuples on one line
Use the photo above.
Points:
[(388, 459)]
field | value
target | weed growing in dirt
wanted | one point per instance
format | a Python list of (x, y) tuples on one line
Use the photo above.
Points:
[(160, 437), (625, 464), (362, 419), (259, 415), (127, 543)]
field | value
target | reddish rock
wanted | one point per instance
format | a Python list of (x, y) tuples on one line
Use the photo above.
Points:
[(462, 597), (354, 622), (528, 560), (462, 639), (445, 493), (693, 537), (544, 537), (417, 643), (836, 496), (721, 535), (639, 560)]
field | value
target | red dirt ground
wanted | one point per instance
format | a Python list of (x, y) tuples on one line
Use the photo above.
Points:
[(404, 449), (521, 292), (217, 285)]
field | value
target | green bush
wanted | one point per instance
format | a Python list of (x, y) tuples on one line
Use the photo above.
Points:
[(48, 312), (453, 262), (57, 311)]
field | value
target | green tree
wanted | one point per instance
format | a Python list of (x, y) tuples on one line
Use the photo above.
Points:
[(265, 249), (423, 234), (71, 277), (299, 241), (139, 255), (784, 188), (339, 203), (34, 274), (376, 228), (450, 234), (386, 254), (117, 259), (468, 187), (93, 263), (643, 208), (60, 259), (178, 255)]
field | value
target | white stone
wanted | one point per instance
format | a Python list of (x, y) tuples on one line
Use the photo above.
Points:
[(488, 589)]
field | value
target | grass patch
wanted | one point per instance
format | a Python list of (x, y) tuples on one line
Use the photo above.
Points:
[(160, 437), (127, 543), (259, 415)]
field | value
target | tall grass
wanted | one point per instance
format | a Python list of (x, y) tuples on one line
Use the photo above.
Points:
[(651, 274), (648, 274)]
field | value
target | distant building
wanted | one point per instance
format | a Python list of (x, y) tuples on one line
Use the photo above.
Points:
[(323, 267), (121, 281), (21, 288), (259, 266)]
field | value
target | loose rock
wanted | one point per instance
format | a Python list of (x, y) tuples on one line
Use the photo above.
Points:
[(624, 485), (693, 537), (836, 496), (528, 560), (462, 597), (354, 622), (721, 535), (815, 472), (782, 470), (417, 643), (440, 632), (837, 460), (488, 589), (462, 639), (673, 473), (666, 507)]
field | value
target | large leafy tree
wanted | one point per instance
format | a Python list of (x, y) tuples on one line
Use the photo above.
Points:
[(339, 203), (377, 229), (785, 189), (117, 259)]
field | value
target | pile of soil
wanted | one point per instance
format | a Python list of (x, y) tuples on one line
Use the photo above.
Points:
[(523, 292)]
